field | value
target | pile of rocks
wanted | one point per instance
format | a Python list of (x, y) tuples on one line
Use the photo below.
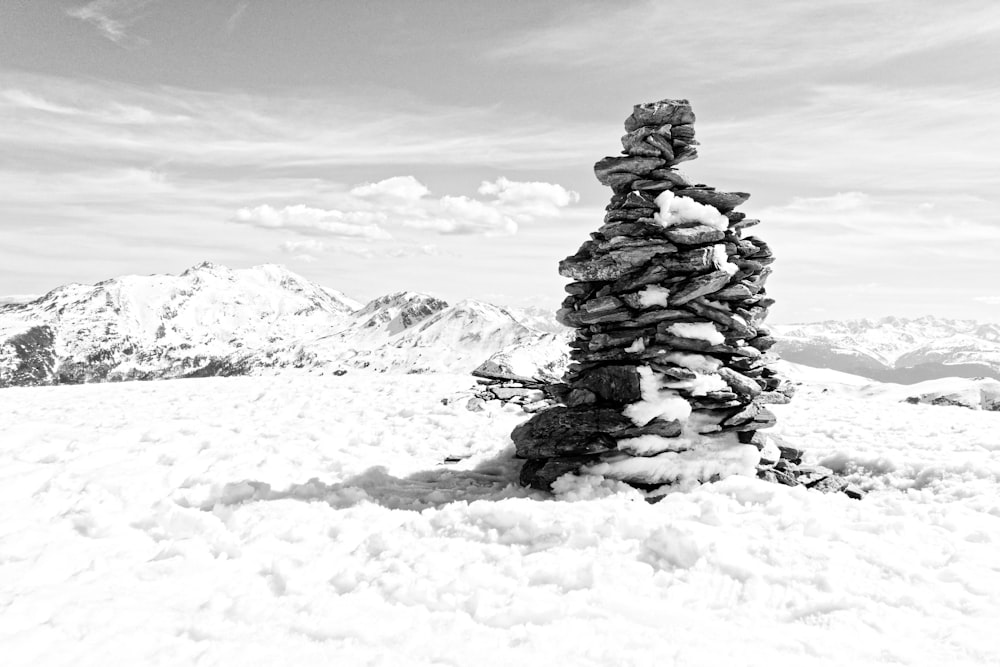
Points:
[(530, 396), (670, 374)]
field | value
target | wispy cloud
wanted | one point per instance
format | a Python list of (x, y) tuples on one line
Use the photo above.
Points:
[(234, 19), (736, 40), (295, 131), (351, 224), (861, 137), (111, 18)]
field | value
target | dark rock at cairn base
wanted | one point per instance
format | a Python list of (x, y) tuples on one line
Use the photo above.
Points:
[(569, 432), (613, 383), (541, 473)]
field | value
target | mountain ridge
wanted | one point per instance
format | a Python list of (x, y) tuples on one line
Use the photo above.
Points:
[(212, 320)]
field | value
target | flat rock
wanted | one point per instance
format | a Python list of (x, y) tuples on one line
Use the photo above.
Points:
[(672, 176), (723, 201), (579, 397), (630, 164), (635, 143), (673, 371), (614, 383), (660, 427), (694, 235), (611, 265), (699, 286), (720, 315), (736, 292), (741, 384), (663, 112), (652, 185), (563, 431)]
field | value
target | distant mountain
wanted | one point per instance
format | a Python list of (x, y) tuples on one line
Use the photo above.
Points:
[(412, 332), (211, 320), (537, 318), (17, 298), (895, 349)]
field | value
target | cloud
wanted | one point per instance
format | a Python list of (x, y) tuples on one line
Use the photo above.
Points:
[(307, 250), (460, 215), (744, 39), (352, 224), (404, 188), (113, 113), (234, 19), (303, 246), (111, 17), (991, 300), (405, 202), (90, 121), (531, 199)]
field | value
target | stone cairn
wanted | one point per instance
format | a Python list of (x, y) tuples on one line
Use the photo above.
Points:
[(670, 372)]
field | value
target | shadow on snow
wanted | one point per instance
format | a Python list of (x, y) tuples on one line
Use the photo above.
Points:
[(491, 479)]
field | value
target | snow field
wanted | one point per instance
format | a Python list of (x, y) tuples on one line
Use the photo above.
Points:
[(309, 520)]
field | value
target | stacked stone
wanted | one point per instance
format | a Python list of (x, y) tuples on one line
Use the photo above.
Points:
[(670, 372)]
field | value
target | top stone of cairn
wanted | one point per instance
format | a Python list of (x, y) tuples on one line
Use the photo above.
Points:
[(664, 112)]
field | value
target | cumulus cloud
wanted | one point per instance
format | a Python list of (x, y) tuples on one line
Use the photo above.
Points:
[(404, 188), (531, 198), (990, 300), (404, 202), (352, 224), (461, 215)]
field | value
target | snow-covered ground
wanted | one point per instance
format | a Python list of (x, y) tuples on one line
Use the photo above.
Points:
[(312, 520)]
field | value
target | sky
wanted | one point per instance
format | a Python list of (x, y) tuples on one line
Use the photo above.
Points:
[(447, 147)]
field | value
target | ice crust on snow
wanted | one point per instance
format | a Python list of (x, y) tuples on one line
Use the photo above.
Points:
[(307, 520), (656, 402), (705, 331), (675, 210)]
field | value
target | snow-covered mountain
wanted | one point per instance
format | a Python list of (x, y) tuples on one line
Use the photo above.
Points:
[(412, 332), (211, 320), (895, 349)]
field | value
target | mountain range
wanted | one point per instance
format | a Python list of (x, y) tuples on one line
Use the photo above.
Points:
[(211, 320), (893, 349)]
